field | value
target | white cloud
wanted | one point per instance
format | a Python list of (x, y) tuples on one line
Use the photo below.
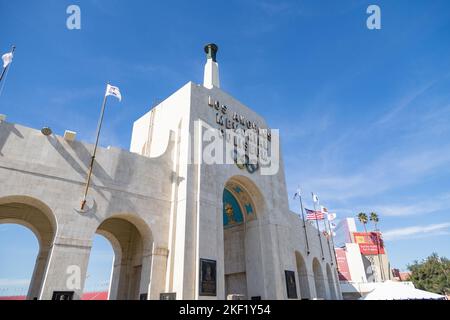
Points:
[(405, 103), (417, 231), (412, 153), (387, 172), (14, 282), (431, 205)]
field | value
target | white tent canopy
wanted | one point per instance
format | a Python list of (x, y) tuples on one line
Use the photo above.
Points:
[(391, 290)]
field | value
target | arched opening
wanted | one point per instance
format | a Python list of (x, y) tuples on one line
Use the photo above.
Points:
[(131, 241), (37, 217), (319, 280), (98, 276), (302, 272), (18, 251), (243, 264), (331, 285)]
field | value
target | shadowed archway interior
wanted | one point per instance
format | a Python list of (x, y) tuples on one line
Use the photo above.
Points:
[(302, 273), (331, 287), (129, 277), (242, 251), (319, 280)]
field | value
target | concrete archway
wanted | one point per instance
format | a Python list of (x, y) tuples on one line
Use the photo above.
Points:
[(319, 280), (302, 273), (331, 282), (132, 241), (38, 217), (243, 207)]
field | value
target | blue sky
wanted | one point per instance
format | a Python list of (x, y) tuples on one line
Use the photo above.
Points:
[(364, 114)]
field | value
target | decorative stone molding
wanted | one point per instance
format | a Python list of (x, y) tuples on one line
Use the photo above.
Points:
[(159, 251), (71, 242)]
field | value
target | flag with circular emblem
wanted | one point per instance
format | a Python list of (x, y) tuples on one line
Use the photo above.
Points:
[(113, 91)]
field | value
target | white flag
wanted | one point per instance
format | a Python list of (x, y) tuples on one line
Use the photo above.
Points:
[(7, 59), (331, 216), (315, 198), (332, 225), (113, 91)]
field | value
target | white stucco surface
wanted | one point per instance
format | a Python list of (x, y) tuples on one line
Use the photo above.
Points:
[(168, 206)]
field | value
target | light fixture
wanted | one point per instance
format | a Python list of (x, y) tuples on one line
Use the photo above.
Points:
[(70, 135), (46, 131)]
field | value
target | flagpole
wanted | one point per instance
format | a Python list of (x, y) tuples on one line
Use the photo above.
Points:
[(328, 238), (5, 68), (332, 240), (3, 73), (304, 224), (99, 126), (318, 228)]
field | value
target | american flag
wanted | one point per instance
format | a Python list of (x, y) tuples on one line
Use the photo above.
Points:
[(314, 215)]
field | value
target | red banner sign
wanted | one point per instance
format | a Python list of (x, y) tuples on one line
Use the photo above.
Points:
[(370, 243), (343, 269)]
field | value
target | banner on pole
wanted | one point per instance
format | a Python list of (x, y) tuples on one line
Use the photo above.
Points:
[(370, 243)]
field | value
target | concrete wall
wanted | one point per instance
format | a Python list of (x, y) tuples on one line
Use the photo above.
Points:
[(174, 202), (278, 233), (365, 271), (355, 263), (197, 214), (50, 172)]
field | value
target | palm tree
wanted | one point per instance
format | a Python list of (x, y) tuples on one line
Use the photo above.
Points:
[(362, 217), (374, 218)]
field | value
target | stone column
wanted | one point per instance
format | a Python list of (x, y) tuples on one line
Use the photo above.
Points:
[(115, 278), (328, 288), (144, 279), (337, 285), (38, 273), (304, 286), (67, 267), (158, 272), (312, 285)]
